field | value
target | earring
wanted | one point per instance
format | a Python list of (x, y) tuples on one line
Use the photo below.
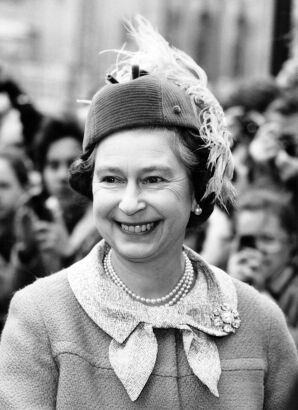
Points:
[(198, 210)]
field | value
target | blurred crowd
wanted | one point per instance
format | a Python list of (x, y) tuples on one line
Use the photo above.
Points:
[(45, 226)]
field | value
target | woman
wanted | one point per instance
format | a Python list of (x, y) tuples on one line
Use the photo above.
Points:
[(55, 226), (264, 251), (14, 183), (143, 322)]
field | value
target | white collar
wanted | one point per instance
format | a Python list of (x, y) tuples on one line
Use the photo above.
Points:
[(210, 309)]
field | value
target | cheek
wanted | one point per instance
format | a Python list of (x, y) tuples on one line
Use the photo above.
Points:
[(103, 203), (285, 255), (13, 195), (280, 259), (7, 199), (48, 177)]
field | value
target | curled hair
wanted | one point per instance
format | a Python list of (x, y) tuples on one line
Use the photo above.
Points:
[(193, 153), (81, 174)]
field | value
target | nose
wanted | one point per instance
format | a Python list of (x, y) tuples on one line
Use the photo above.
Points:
[(131, 201), (62, 172)]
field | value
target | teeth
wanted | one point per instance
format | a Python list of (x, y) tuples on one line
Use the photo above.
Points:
[(137, 228)]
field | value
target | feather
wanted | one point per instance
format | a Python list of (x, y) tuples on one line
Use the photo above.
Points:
[(156, 56)]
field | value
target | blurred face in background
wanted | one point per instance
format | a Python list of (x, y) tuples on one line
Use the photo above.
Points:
[(286, 160), (288, 123), (60, 155), (10, 191), (288, 130), (262, 231)]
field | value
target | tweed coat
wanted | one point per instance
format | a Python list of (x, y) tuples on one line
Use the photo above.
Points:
[(53, 355)]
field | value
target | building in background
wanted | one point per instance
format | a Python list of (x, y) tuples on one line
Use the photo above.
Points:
[(52, 46)]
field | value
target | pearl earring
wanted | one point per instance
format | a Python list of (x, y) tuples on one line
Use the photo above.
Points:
[(198, 210)]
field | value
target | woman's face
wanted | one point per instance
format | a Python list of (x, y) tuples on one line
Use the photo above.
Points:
[(10, 190), (60, 156), (141, 194)]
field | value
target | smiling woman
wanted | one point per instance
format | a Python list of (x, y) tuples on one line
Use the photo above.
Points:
[(143, 321)]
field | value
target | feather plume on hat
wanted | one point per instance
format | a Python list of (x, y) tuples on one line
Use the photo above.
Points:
[(156, 56)]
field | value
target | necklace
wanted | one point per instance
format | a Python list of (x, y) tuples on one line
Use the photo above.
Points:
[(178, 292)]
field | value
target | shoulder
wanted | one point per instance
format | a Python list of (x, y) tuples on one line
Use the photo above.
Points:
[(52, 295), (261, 315), (48, 307), (251, 299), (258, 311), (56, 286), (45, 297), (248, 297), (43, 287)]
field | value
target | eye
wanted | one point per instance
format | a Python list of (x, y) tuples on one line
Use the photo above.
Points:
[(153, 180), (52, 164), (267, 239), (4, 185), (109, 179)]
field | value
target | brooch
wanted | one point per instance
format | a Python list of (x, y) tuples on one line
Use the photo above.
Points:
[(225, 318)]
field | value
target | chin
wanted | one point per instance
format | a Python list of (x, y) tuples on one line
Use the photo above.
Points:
[(136, 251)]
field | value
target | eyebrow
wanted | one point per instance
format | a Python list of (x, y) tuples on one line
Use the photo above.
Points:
[(160, 168)]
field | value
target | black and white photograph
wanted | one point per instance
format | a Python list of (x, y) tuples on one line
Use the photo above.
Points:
[(148, 204)]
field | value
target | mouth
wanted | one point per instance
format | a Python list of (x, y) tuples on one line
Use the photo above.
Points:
[(140, 228)]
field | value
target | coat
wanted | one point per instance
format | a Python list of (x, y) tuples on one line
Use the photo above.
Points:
[(54, 355)]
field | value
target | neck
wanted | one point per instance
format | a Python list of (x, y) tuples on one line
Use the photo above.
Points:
[(150, 279)]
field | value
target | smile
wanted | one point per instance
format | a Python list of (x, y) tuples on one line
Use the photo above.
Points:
[(138, 228)]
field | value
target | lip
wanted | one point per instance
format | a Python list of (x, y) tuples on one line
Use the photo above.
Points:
[(140, 228), (136, 223)]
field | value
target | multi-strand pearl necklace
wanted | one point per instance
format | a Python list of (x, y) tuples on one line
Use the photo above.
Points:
[(179, 292)]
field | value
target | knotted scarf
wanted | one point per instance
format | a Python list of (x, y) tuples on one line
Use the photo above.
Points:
[(210, 309)]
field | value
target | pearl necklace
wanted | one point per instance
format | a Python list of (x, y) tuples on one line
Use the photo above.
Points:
[(178, 292)]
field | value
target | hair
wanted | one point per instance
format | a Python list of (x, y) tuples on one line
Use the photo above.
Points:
[(18, 164), (272, 202), (52, 130)]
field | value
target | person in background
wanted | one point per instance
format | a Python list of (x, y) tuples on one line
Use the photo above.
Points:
[(274, 149), (20, 119), (55, 226), (265, 249), (143, 321), (14, 185), (287, 77), (244, 108)]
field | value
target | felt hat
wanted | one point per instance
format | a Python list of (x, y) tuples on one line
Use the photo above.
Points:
[(149, 100)]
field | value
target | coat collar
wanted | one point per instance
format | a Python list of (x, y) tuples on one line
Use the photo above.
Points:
[(210, 309)]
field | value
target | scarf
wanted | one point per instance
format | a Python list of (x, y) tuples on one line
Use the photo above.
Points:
[(209, 309)]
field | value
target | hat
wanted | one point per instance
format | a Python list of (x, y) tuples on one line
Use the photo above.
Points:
[(170, 90), (149, 100)]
